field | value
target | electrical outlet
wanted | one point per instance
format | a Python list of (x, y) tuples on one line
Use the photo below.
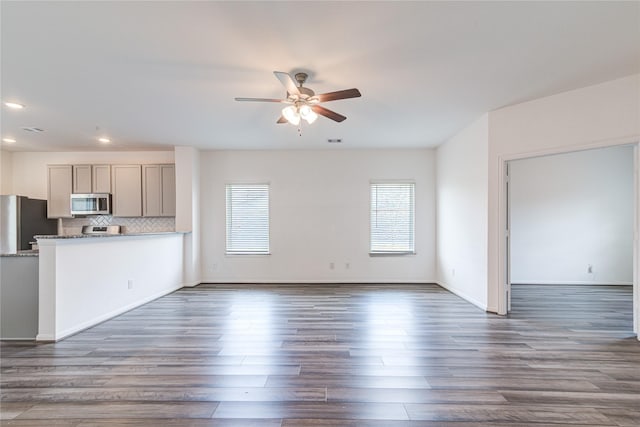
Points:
[(590, 269), (214, 267), (332, 266), (130, 284), (347, 265)]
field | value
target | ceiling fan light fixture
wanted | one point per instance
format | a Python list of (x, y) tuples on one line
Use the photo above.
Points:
[(308, 114), (291, 114), (304, 103)]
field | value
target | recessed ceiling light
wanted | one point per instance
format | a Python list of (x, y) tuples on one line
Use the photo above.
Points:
[(104, 140), (14, 105), (8, 140)]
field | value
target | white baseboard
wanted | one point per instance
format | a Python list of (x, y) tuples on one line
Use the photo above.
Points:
[(99, 319), (191, 284), (45, 337), (463, 295), (350, 281), (568, 282)]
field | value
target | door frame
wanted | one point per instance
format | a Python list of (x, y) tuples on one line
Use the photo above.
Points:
[(504, 285)]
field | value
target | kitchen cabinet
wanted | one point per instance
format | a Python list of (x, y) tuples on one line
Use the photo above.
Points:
[(168, 190), (82, 178), (101, 178), (91, 179), (126, 186), (19, 302), (158, 190), (59, 187)]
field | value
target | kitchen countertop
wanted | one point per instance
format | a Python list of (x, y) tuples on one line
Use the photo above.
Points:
[(35, 253), (89, 236), (22, 253)]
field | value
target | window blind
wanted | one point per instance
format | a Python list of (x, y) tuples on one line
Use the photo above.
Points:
[(392, 217), (247, 218)]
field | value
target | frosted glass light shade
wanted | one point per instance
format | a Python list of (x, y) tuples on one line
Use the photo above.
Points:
[(311, 117), (291, 114), (308, 114)]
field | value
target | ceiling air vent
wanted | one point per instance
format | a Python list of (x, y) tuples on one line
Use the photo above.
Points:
[(33, 129), (334, 140)]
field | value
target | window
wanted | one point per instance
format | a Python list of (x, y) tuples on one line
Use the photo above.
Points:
[(392, 217), (248, 218)]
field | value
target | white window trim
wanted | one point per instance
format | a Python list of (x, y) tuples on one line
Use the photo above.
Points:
[(247, 254), (393, 253)]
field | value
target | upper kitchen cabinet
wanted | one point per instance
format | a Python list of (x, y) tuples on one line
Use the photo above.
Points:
[(59, 187), (91, 179), (82, 179), (126, 186), (101, 178), (158, 190)]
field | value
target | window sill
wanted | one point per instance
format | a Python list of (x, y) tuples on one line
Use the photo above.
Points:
[(247, 254), (378, 254)]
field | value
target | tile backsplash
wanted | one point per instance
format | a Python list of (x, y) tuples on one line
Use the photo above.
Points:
[(71, 226)]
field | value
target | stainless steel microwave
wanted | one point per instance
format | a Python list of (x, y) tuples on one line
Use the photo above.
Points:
[(91, 204)]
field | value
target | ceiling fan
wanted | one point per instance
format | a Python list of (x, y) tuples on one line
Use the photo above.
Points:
[(304, 103)]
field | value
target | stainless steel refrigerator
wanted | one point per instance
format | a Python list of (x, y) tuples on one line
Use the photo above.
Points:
[(21, 218)]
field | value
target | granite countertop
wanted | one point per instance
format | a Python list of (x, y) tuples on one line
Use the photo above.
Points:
[(29, 252), (35, 252), (91, 236)]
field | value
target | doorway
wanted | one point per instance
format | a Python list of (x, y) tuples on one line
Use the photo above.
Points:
[(570, 226)]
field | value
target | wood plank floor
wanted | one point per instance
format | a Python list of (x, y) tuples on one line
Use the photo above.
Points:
[(337, 355)]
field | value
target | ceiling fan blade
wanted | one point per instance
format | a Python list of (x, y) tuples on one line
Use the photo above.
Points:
[(261, 99), (287, 82), (328, 113), (341, 94), (282, 120)]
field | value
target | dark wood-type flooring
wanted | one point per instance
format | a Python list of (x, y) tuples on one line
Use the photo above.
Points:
[(337, 355)]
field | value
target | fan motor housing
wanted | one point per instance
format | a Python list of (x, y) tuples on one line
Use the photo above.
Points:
[(306, 91)]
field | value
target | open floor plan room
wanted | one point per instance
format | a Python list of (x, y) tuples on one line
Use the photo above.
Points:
[(330, 355), (319, 213)]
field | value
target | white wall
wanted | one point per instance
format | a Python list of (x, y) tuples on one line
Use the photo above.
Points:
[(461, 192), (29, 173), (569, 211), (596, 116), (6, 172), (319, 215), (187, 161)]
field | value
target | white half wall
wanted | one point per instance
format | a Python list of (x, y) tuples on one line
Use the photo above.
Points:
[(597, 116), (571, 211), (319, 213), (461, 201), (29, 169), (85, 281)]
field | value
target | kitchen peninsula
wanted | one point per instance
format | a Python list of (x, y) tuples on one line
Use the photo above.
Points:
[(84, 280)]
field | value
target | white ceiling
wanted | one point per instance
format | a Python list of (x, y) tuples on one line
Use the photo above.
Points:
[(152, 75)]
